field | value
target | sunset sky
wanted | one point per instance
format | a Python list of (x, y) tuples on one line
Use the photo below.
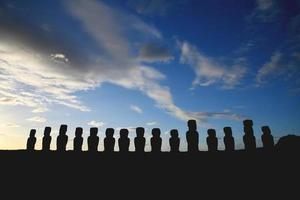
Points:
[(150, 63)]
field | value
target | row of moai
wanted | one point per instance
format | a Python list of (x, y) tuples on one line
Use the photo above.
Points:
[(192, 137)]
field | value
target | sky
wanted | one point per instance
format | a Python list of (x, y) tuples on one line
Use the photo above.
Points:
[(149, 63)]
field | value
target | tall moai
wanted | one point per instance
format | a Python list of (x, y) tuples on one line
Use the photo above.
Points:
[(156, 141), (174, 141), (139, 140), (249, 138), (46, 139), (228, 139), (192, 136), (31, 140), (62, 138), (212, 140), (267, 138), (109, 140), (93, 140), (124, 141), (78, 140)]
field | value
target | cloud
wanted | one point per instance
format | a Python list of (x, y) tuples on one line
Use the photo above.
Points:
[(37, 119), (265, 11), (31, 76), (264, 4), (151, 123), (153, 53), (208, 71), (95, 123), (136, 109), (269, 68), (40, 110), (151, 7), (10, 125)]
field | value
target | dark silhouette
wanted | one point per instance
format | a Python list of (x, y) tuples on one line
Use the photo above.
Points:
[(62, 139), (249, 138), (212, 140), (78, 140), (289, 143), (139, 140), (109, 140), (31, 140), (174, 141), (267, 138), (46, 139), (192, 136), (156, 141), (228, 139), (93, 140), (124, 141)]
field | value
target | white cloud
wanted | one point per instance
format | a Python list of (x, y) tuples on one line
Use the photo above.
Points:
[(40, 110), (10, 125), (208, 71), (59, 58), (151, 123), (95, 123), (37, 119), (269, 68), (136, 109)]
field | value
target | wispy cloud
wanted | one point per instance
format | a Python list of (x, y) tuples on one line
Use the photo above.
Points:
[(40, 110), (154, 53), (37, 119), (96, 123), (265, 11), (136, 109), (10, 125), (209, 71), (151, 123)]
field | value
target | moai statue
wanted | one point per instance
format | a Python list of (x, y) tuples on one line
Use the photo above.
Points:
[(212, 140), (192, 136), (93, 140), (139, 140), (267, 138), (174, 141), (31, 140), (249, 138), (46, 139), (78, 140), (109, 140), (156, 141), (124, 141), (228, 139), (62, 139)]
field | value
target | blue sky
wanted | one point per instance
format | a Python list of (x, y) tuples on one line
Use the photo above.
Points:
[(150, 63)]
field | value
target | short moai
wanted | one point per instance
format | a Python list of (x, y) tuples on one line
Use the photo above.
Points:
[(192, 137), (228, 139), (156, 141), (78, 140), (249, 138), (31, 140), (109, 140), (139, 140), (124, 141), (62, 139), (212, 140), (174, 141), (93, 140), (46, 139), (267, 138)]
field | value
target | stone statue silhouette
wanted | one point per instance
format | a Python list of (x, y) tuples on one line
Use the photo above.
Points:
[(139, 140), (78, 140), (109, 140), (62, 139), (46, 139), (249, 138), (174, 141), (156, 141), (267, 138), (192, 136), (124, 141), (31, 140), (212, 140), (228, 139), (93, 140)]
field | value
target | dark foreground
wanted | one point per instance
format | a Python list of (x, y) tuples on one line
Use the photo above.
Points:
[(151, 174)]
